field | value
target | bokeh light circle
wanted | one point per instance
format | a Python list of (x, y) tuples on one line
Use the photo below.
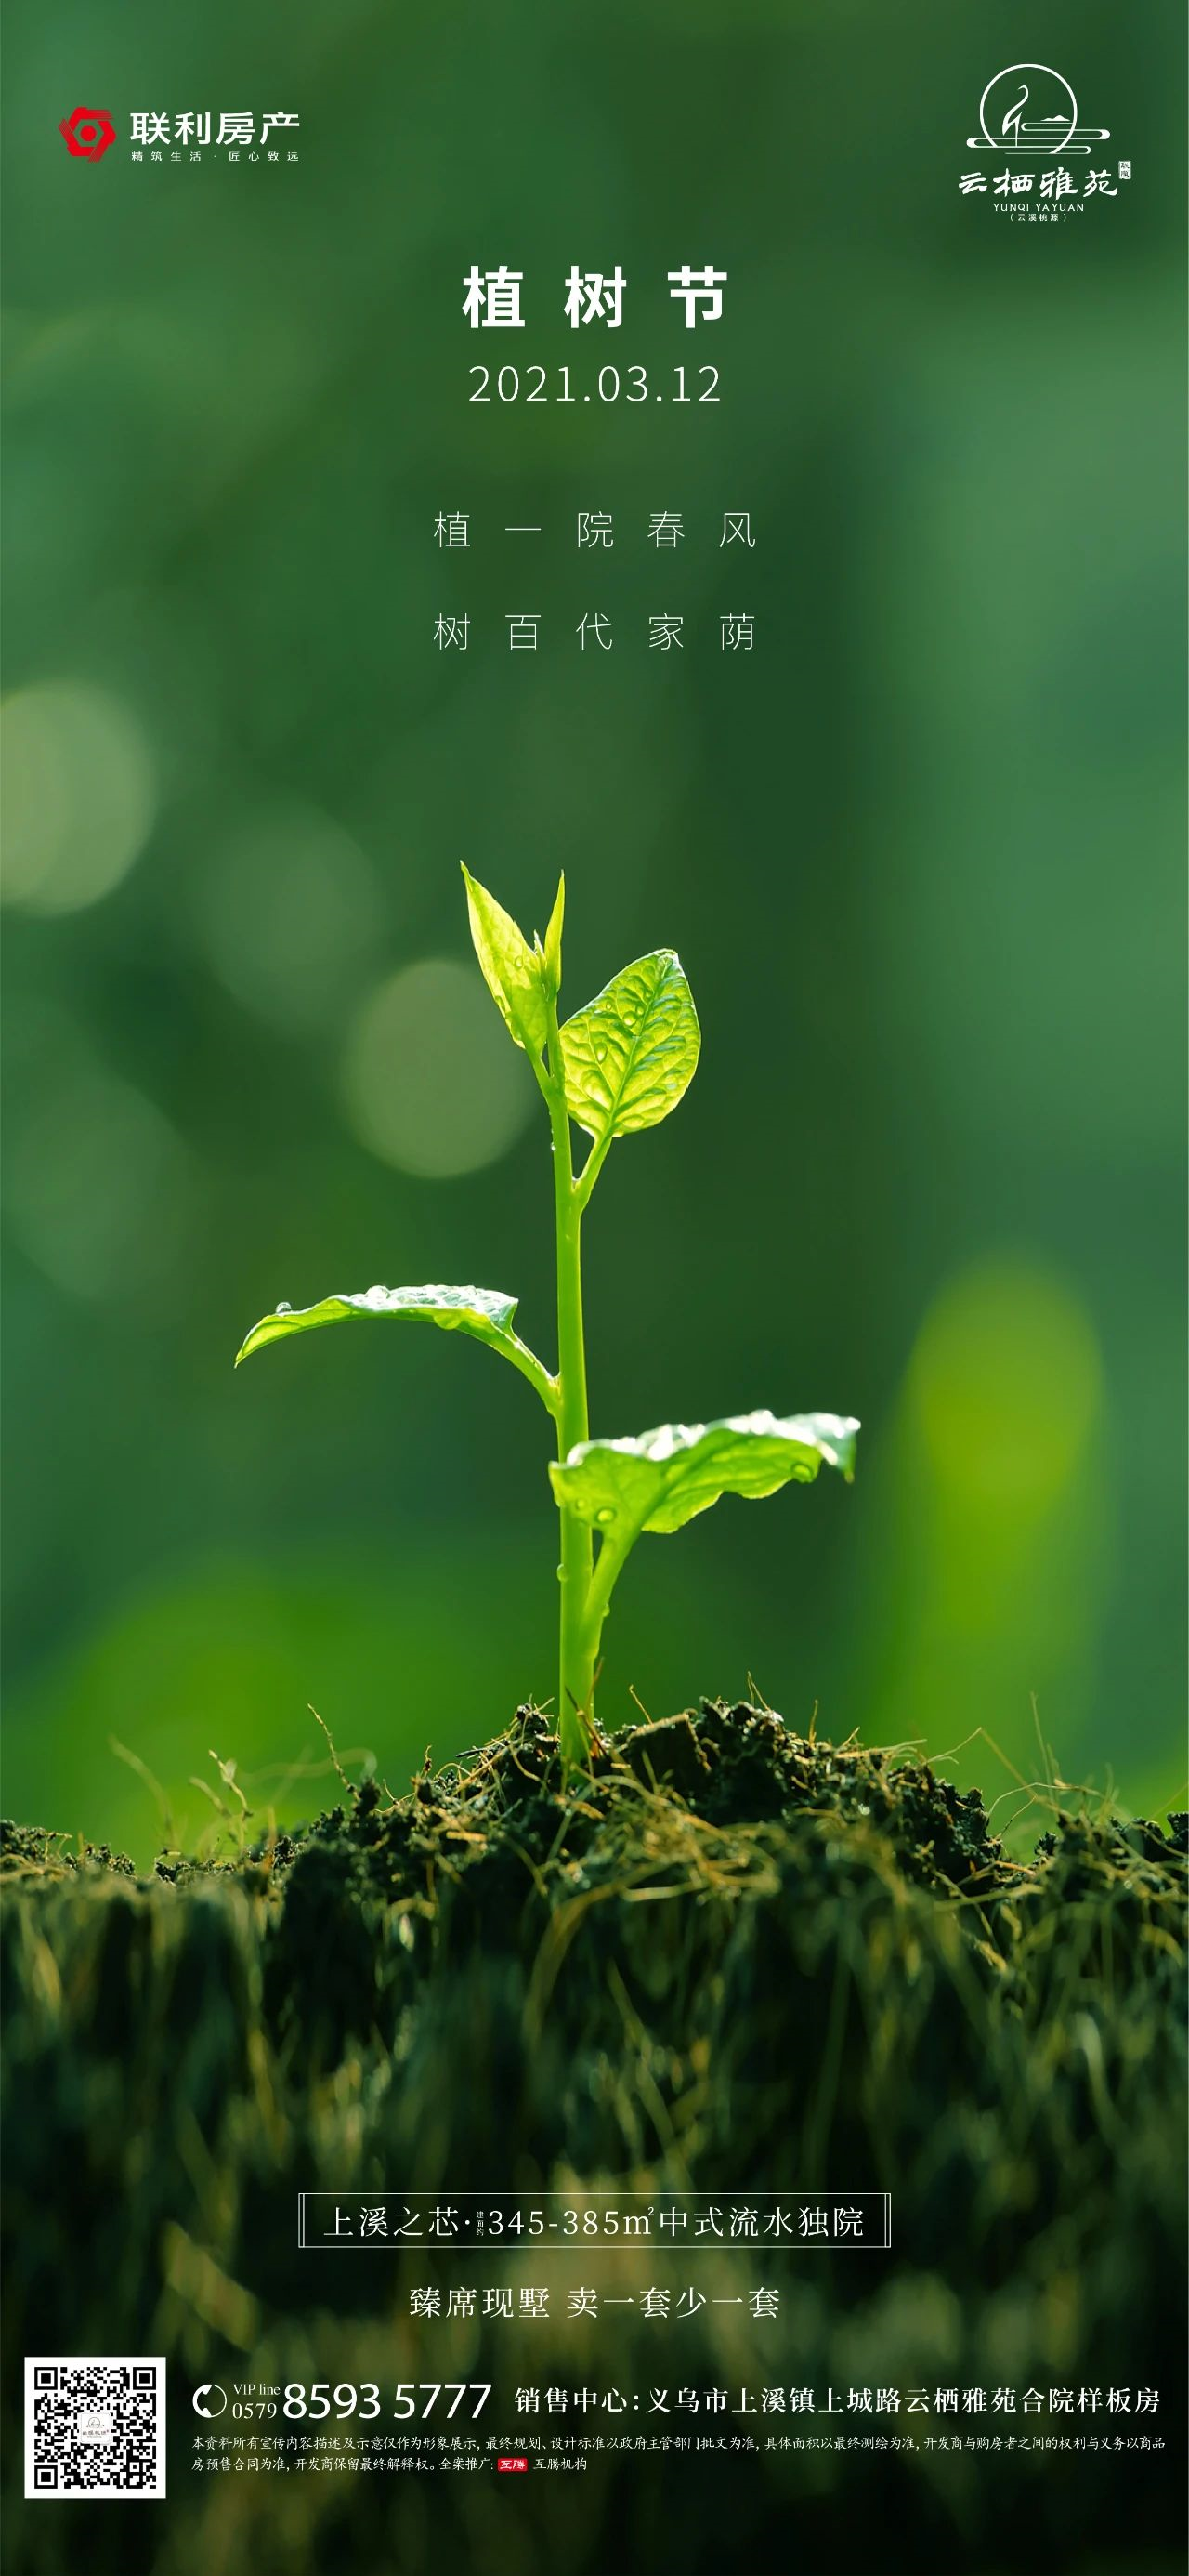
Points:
[(430, 1081), (289, 911), (79, 795), (1007, 1378)]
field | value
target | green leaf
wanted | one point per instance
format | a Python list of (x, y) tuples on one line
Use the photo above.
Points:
[(551, 952), (513, 974), (660, 1480), (484, 1313), (630, 1055)]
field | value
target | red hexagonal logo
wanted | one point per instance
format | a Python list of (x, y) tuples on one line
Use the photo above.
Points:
[(87, 133)]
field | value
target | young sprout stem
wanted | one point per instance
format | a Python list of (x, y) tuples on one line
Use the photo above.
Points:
[(576, 1653)]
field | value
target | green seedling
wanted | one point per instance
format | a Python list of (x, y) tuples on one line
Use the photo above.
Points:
[(618, 1066)]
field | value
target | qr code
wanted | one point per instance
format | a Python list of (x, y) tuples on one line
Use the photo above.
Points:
[(94, 2426)]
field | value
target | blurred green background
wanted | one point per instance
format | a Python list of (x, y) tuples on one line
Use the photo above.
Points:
[(921, 854)]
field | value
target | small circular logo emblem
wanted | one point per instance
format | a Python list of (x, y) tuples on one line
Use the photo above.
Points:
[(1028, 108), (87, 133)]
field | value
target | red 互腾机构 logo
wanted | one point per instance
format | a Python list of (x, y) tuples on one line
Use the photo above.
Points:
[(87, 133), (516, 2461)]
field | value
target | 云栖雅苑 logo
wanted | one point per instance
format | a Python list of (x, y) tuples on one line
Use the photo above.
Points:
[(1028, 122)]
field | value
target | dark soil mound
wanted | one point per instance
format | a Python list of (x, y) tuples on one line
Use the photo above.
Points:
[(728, 1959)]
